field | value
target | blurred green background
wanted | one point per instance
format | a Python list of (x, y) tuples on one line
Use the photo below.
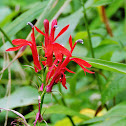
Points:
[(103, 92)]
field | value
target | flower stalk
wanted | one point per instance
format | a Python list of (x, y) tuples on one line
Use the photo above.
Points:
[(42, 99)]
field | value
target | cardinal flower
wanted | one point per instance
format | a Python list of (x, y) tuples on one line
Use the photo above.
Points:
[(32, 44), (50, 45), (59, 75)]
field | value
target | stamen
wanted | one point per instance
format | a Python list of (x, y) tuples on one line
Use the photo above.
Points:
[(80, 41), (29, 23), (56, 26)]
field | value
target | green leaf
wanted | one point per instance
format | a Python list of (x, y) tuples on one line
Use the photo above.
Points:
[(8, 18), (115, 116), (107, 65), (58, 109), (21, 97), (103, 49), (50, 12), (102, 2), (22, 20), (108, 41), (118, 56), (4, 12), (115, 85)]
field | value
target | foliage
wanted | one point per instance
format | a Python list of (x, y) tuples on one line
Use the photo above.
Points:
[(88, 95)]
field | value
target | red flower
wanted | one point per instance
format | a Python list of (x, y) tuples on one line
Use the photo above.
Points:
[(32, 44), (50, 46), (59, 75)]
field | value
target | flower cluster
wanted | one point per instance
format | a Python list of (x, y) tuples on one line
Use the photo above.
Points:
[(54, 53)]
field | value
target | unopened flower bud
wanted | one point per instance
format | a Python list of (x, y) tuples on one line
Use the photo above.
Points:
[(41, 88)]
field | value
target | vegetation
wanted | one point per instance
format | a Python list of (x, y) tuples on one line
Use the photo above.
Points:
[(32, 93)]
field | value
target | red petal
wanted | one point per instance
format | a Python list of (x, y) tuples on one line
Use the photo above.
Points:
[(52, 33), (70, 41), (62, 31), (82, 62), (46, 26), (14, 48), (69, 70), (49, 55), (64, 80), (49, 50), (73, 47), (35, 56), (54, 22), (49, 87), (19, 41), (38, 30), (51, 72), (85, 70), (58, 54), (44, 63), (33, 37), (62, 49), (52, 69), (50, 60), (65, 62)]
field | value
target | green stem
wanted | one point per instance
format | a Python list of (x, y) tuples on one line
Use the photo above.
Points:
[(90, 42), (64, 103), (44, 90), (87, 27), (42, 98), (71, 120), (5, 34)]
